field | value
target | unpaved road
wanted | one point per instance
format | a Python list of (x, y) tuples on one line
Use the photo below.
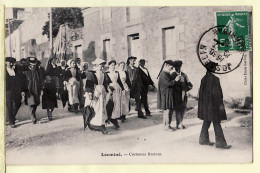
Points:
[(63, 141)]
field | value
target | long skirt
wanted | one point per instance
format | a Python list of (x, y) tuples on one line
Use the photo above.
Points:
[(125, 99), (99, 105), (117, 94), (73, 91)]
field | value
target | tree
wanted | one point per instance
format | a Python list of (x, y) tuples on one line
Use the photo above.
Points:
[(72, 16)]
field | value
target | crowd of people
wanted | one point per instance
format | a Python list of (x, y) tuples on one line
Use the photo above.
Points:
[(103, 96)]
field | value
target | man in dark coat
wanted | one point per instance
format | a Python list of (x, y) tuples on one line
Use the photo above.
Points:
[(211, 108), (165, 93), (136, 84), (146, 81), (34, 86), (180, 90), (15, 85)]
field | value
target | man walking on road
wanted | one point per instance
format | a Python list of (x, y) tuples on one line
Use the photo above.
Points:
[(15, 85), (165, 100), (136, 84), (180, 90), (33, 87), (146, 81), (211, 108)]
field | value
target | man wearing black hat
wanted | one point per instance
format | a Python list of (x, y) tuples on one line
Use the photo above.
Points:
[(180, 90), (146, 81), (34, 87), (14, 89), (136, 84), (165, 93), (211, 107)]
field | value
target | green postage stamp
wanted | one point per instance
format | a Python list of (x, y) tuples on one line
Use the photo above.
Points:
[(234, 34)]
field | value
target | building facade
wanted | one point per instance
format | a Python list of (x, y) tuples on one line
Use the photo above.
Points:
[(156, 34), (24, 40), (151, 33)]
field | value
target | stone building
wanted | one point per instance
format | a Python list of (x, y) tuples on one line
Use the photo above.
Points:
[(28, 34), (151, 33), (26, 39), (156, 34)]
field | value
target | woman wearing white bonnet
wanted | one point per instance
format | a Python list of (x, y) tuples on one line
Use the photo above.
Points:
[(95, 96), (72, 78)]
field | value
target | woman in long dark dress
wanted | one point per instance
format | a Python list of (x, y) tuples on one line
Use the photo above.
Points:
[(49, 99), (52, 70), (165, 100)]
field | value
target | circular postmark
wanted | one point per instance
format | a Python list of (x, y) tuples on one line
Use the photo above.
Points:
[(219, 45)]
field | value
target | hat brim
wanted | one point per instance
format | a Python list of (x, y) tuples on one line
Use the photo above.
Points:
[(131, 58), (98, 63)]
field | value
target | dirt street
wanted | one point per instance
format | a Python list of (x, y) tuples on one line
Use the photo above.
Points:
[(63, 141)]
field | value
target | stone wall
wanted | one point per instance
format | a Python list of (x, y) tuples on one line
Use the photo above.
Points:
[(189, 22)]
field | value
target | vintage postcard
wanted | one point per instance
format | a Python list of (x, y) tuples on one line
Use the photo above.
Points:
[(128, 85)]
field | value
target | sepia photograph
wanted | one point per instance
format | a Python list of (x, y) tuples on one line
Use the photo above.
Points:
[(128, 85)]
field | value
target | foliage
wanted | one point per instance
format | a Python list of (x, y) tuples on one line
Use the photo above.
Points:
[(72, 16), (234, 103)]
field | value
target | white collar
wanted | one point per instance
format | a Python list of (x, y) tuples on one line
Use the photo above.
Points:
[(10, 71), (144, 70)]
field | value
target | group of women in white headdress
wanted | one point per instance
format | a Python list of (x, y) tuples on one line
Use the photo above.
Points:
[(108, 93)]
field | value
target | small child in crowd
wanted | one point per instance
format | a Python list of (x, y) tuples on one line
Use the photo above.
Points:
[(49, 98)]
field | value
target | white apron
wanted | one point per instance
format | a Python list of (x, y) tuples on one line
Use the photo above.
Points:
[(125, 99), (117, 94), (98, 102)]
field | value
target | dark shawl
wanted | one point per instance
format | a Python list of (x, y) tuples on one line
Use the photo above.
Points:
[(52, 71), (127, 79), (68, 75), (118, 80), (92, 81)]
